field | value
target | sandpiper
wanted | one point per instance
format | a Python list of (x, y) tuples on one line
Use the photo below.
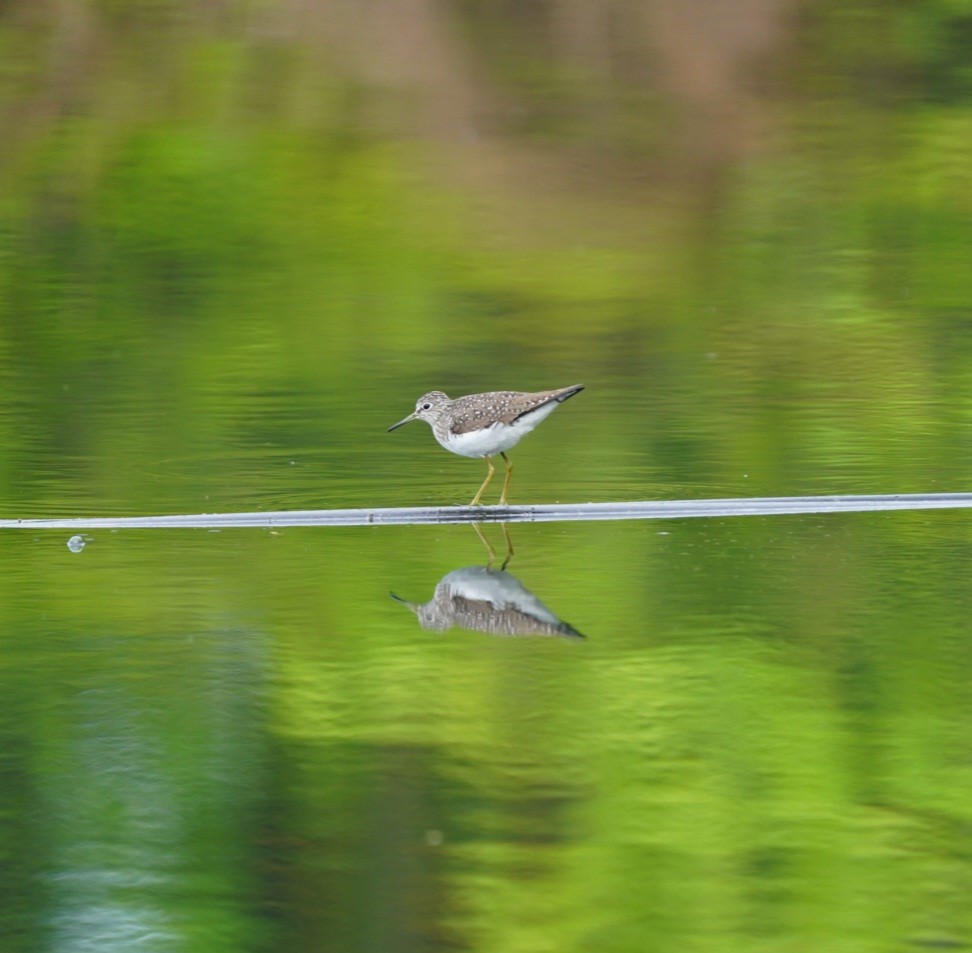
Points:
[(480, 425)]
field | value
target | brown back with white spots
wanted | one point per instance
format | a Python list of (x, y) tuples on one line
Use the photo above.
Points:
[(481, 410)]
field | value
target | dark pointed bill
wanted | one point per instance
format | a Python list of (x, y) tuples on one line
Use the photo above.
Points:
[(405, 420)]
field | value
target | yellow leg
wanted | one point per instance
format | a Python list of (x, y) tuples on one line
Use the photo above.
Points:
[(489, 549), (509, 547), (509, 476), (489, 476)]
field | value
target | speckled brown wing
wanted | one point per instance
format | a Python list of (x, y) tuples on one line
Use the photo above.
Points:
[(483, 616), (482, 410)]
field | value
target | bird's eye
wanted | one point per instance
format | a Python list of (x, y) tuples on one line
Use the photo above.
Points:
[(426, 406)]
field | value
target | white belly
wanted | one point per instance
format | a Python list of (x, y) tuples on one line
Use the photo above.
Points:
[(498, 437)]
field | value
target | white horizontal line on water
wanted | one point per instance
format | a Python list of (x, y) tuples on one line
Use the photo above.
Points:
[(648, 509)]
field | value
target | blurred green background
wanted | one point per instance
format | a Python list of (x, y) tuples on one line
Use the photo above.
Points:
[(234, 228), (238, 239)]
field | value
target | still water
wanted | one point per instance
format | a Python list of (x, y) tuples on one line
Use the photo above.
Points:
[(747, 733), (238, 241)]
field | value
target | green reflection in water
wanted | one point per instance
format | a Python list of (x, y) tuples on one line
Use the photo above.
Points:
[(236, 241)]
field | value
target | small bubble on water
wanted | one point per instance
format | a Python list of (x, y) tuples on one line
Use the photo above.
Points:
[(75, 544)]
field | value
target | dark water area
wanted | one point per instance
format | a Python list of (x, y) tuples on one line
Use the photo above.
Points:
[(239, 240)]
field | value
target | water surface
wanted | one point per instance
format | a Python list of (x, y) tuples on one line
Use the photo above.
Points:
[(237, 242)]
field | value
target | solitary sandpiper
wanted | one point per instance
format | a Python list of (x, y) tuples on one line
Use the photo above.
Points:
[(481, 425)]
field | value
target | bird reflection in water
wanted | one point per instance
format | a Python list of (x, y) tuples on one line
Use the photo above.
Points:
[(482, 599)]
